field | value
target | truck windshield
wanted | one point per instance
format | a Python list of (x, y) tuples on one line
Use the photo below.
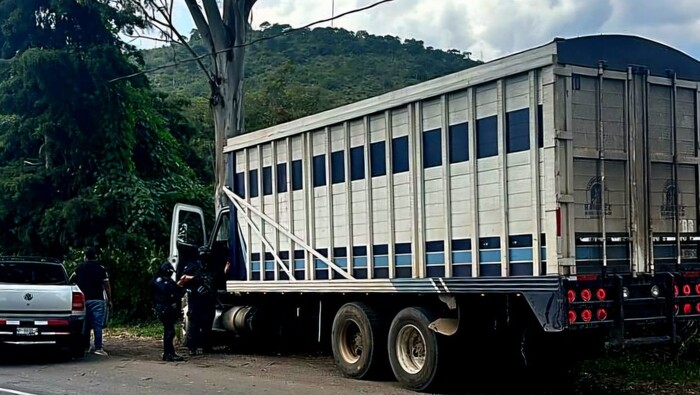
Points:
[(32, 273)]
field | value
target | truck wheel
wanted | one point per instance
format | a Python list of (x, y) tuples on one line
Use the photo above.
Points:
[(357, 339), (416, 353)]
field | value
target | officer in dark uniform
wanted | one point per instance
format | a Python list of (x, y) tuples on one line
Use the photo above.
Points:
[(167, 295), (201, 308)]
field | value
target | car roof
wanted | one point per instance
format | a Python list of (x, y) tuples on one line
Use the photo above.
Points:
[(30, 259)]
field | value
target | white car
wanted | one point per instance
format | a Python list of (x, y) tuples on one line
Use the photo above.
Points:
[(38, 306)]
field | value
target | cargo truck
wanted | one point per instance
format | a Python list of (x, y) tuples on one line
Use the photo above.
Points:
[(530, 208)]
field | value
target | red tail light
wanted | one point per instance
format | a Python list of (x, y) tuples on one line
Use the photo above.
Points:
[(697, 288), (687, 308), (586, 315), (601, 294), (686, 289), (570, 295), (572, 316), (58, 322), (586, 295), (3, 322), (78, 302), (601, 314), (697, 308)]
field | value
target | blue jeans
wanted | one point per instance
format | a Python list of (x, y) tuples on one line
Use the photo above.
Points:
[(94, 320)]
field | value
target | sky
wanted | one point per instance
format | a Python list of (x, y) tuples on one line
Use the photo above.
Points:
[(491, 28)]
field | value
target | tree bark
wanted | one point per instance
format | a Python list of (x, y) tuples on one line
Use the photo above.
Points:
[(224, 36)]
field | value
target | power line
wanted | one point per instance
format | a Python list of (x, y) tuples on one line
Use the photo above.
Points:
[(296, 29)]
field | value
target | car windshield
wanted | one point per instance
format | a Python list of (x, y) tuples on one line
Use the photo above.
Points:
[(32, 273)]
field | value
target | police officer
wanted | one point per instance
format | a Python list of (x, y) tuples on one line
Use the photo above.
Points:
[(167, 295), (201, 307)]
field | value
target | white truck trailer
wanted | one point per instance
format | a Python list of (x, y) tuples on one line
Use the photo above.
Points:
[(545, 199)]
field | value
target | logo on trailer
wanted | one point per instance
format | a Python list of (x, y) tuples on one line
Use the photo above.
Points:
[(595, 191), (28, 297), (668, 205)]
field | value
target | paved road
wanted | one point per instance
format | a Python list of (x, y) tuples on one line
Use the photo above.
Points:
[(133, 368)]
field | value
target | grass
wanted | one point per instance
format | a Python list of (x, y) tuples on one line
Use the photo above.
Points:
[(146, 330)]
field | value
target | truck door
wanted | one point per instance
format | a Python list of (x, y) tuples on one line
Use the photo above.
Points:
[(187, 234)]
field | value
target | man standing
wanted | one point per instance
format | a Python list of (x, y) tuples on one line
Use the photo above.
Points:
[(200, 306), (167, 295), (92, 279)]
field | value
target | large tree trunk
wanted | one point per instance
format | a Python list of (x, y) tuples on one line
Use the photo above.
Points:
[(225, 36)]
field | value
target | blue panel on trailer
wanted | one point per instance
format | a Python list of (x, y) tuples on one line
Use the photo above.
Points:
[(403, 260), (319, 170), (281, 177), (459, 143), (378, 158), (487, 243), (239, 184), (521, 269), (515, 241), (402, 248), (342, 262), (461, 257), (267, 180), (253, 181), (540, 126), (404, 272), (297, 175), (435, 258), (520, 254), (338, 167), (435, 246), (298, 264), (400, 154), (461, 245), (518, 130), (359, 273), (360, 261), (269, 265), (462, 270), (435, 271), (432, 148), (490, 256), (357, 163), (322, 274), (340, 252), (381, 261), (381, 272), (380, 249), (490, 270), (487, 137)]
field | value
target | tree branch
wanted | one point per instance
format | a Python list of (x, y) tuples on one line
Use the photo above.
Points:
[(216, 24), (201, 24)]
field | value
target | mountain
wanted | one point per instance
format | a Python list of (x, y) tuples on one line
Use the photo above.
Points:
[(306, 71)]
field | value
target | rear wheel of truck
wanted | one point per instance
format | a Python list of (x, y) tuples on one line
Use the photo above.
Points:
[(358, 341), (416, 353)]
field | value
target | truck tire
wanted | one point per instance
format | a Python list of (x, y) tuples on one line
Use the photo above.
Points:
[(417, 354), (358, 341)]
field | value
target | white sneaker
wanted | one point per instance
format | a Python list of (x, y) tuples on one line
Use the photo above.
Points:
[(101, 352)]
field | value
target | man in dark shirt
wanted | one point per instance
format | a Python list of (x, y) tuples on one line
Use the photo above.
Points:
[(92, 279)]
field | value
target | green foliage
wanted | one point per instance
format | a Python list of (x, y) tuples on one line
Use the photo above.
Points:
[(309, 71), (84, 161)]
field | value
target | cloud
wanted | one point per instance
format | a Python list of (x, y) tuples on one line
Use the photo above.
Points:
[(493, 28)]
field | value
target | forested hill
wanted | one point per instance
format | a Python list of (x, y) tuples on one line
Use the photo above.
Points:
[(308, 71)]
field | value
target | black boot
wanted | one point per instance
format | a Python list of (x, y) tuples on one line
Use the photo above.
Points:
[(172, 357)]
